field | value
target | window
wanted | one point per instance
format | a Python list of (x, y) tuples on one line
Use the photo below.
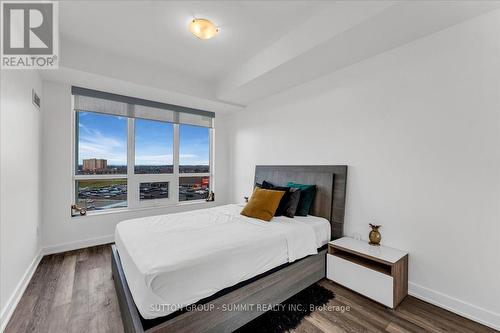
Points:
[(194, 159), (101, 144), (193, 188), (194, 149), (101, 194), (153, 191), (132, 153), (154, 143)]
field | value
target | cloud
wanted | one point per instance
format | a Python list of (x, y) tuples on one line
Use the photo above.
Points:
[(97, 138), (94, 144), (98, 151), (168, 159), (153, 159), (193, 159)]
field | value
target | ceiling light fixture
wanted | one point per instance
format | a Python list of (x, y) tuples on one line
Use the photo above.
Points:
[(203, 28)]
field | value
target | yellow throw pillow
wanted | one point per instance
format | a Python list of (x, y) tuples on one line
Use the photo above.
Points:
[(263, 204)]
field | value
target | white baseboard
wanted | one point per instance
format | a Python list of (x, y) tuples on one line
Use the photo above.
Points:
[(457, 306), (19, 291), (78, 244)]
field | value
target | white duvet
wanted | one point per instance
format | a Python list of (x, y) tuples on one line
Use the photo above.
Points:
[(171, 261)]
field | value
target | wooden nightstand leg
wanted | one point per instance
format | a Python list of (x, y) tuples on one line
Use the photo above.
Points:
[(400, 275)]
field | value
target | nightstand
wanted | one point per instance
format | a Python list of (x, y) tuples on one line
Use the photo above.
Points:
[(377, 272)]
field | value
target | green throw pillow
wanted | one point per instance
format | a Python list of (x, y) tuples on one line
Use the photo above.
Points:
[(307, 194)]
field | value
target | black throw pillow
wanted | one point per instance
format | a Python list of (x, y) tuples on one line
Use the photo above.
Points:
[(266, 185), (289, 202)]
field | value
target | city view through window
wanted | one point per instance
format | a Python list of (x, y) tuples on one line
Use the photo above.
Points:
[(102, 150)]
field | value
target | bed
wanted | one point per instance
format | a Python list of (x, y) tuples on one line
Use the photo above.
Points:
[(187, 272)]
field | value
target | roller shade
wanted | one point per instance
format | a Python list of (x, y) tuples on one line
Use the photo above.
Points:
[(89, 100)]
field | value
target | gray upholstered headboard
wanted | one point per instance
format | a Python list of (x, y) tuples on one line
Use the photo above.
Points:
[(330, 181)]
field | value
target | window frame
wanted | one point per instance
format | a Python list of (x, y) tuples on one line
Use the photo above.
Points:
[(133, 179)]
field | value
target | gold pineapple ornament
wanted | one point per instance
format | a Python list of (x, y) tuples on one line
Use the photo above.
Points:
[(375, 236)]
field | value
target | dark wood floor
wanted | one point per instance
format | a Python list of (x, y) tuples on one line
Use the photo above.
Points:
[(74, 292)]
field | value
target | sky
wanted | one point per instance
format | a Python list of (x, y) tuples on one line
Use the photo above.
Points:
[(105, 136)]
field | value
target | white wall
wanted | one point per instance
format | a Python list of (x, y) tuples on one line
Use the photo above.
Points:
[(419, 127), (62, 232), (20, 184)]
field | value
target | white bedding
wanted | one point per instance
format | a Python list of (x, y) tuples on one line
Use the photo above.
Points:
[(171, 261)]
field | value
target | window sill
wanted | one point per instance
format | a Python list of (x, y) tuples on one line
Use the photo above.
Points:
[(139, 209)]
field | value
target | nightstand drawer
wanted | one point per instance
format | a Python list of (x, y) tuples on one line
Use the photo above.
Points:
[(375, 285)]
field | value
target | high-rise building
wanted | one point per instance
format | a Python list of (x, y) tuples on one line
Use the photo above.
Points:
[(95, 164)]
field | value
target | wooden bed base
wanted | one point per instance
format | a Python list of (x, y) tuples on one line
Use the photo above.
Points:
[(272, 289)]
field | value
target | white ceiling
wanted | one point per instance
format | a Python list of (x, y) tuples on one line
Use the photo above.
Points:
[(264, 47), (155, 32)]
